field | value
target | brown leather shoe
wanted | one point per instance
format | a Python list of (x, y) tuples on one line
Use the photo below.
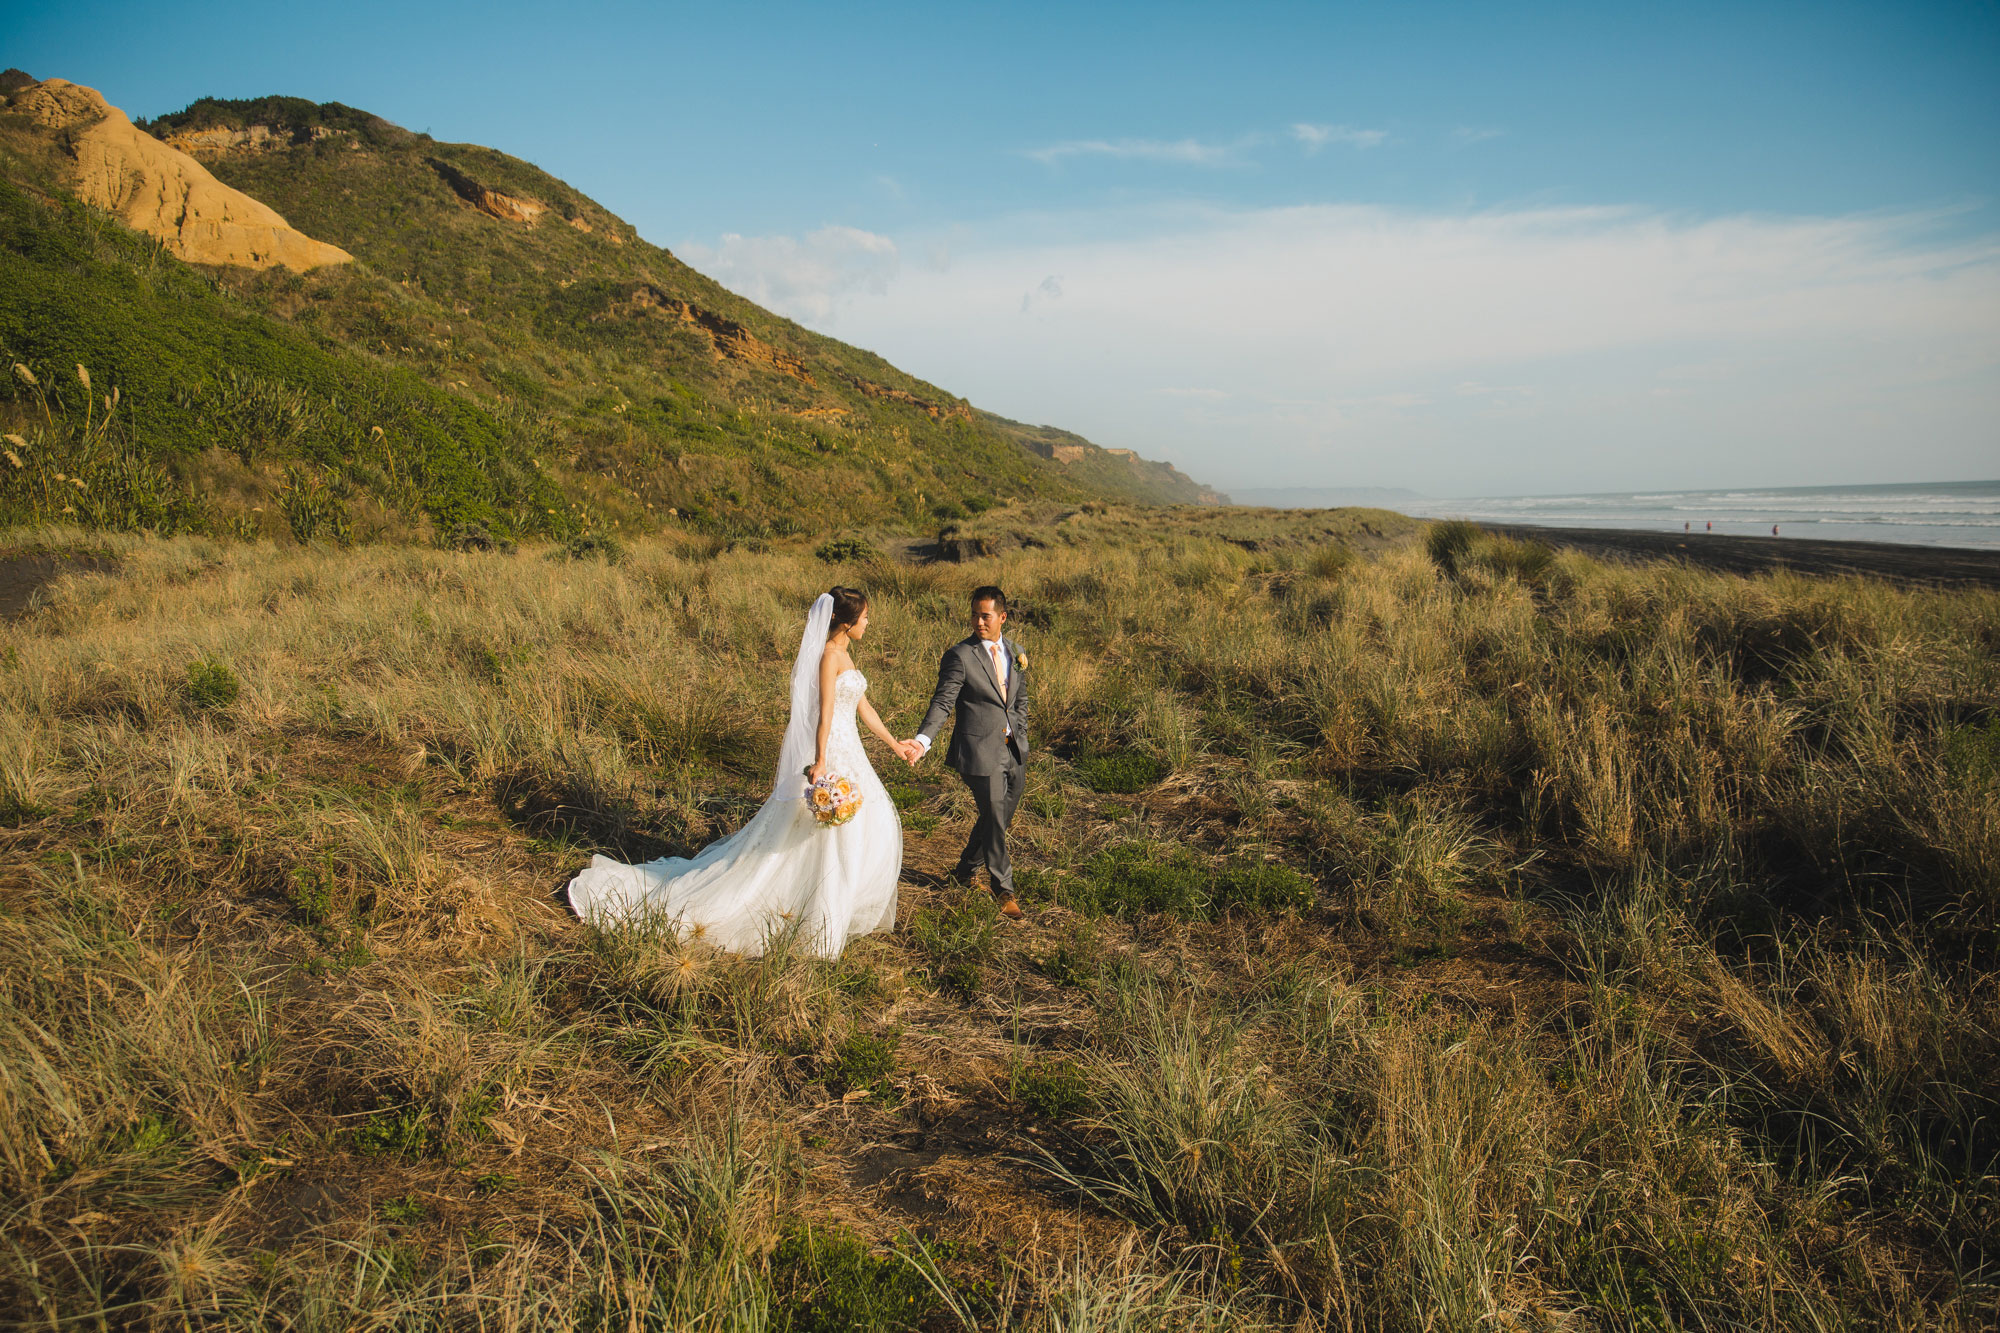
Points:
[(1008, 907)]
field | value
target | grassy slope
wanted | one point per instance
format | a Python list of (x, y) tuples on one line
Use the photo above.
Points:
[(193, 366), (1642, 972), (528, 378)]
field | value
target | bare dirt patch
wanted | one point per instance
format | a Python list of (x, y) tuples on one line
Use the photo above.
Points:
[(23, 574)]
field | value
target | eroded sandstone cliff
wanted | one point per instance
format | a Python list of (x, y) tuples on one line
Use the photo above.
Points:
[(162, 191)]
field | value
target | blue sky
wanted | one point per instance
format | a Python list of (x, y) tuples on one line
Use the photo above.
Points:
[(1461, 248)]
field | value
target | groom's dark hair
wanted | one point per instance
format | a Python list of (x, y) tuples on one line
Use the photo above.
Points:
[(986, 592)]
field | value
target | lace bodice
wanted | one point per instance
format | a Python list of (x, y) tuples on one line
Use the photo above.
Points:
[(843, 741)]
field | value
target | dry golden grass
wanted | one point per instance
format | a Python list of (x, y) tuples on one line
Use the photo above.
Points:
[(1645, 979)]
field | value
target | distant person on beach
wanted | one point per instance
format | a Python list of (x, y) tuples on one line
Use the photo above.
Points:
[(1711, 525), (1774, 529)]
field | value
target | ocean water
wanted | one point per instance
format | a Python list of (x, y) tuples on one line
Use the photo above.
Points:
[(1953, 513)]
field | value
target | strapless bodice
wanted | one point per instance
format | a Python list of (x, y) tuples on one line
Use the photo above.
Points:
[(843, 741)]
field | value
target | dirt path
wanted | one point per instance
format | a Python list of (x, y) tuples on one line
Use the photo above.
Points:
[(1952, 566)]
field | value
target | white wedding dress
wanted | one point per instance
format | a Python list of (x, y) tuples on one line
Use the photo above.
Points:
[(781, 871)]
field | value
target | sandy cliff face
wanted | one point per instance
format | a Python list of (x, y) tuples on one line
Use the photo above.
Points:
[(163, 192), (506, 207)]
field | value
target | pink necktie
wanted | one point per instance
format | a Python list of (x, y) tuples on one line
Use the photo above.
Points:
[(999, 671)]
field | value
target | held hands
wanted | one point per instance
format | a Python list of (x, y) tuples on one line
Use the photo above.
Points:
[(909, 752)]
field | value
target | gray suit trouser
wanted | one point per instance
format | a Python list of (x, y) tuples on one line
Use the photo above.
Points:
[(996, 795)]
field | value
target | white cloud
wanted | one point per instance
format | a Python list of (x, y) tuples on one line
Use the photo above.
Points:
[(1048, 289), (1316, 137), (1471, 134), (807, 278), (1180, 152), (1362, 345)]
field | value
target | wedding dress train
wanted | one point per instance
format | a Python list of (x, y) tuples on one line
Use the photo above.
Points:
[(781, 871)]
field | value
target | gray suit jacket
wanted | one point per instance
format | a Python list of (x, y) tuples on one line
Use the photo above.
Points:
[(968, 687)]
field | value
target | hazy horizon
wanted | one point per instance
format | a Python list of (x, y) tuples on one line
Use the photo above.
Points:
[(1551, 249), (1643, 490)]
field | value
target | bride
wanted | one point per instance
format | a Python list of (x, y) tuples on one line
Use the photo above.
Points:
[(783, 871)]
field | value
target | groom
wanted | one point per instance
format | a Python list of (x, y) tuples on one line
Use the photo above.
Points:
[(981, 678)]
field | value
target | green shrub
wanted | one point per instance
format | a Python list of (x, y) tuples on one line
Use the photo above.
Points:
[(1265, 887), (1136, 878), (212, 685), (829, 1281), (403, 1209), (1972, 753), (84, 467), (402, 1131), (960, 932), (1124, 773), (1055, 1089), (864, 1060), (950, 511), (149, 1136), (594, 546), (1145, 878), (1075, 959), (845, 550), (469, 536), (961, 979), (312, 893), (311, 509)]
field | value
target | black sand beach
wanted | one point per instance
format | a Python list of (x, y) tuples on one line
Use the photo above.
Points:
[(1942, 565)]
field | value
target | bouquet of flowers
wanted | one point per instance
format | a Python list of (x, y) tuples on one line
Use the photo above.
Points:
[(833, 800)]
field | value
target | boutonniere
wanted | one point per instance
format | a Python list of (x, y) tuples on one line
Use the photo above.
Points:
[(1020, 660)]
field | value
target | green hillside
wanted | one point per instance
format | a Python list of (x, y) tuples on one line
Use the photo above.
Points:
[(1118, 471), (503, 352)]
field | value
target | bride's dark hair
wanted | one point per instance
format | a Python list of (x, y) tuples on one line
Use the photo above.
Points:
[(848, 604)]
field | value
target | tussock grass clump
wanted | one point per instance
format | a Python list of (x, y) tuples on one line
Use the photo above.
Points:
[(1191, 1138), (1450, 541)]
